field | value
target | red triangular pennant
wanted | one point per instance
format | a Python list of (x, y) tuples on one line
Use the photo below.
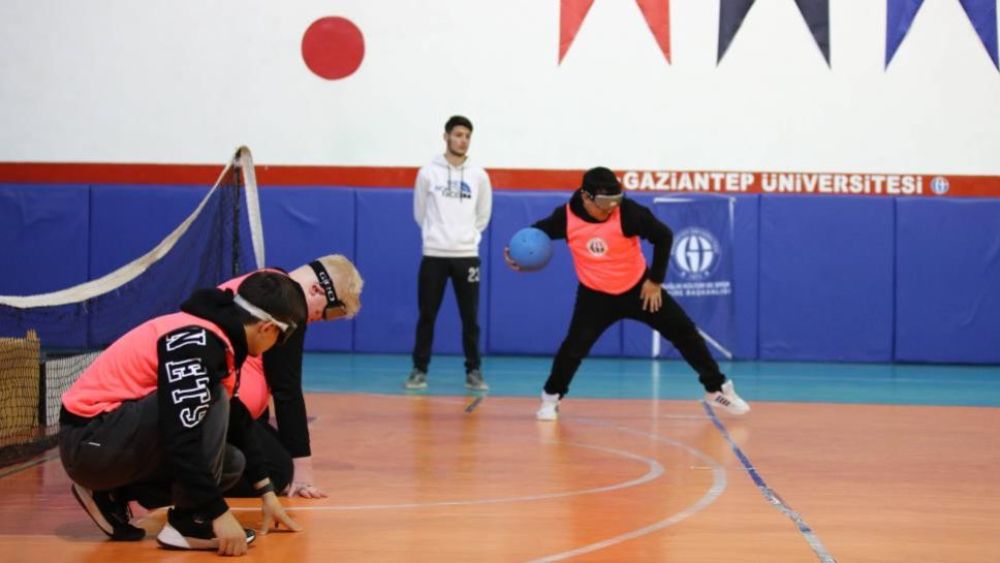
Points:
[(571, 15), (657, 14)]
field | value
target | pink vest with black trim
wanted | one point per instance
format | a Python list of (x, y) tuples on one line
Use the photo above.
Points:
[(605, 259), (127, 370)]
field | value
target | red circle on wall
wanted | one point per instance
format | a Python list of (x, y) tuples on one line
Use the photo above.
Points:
[(333, 47)]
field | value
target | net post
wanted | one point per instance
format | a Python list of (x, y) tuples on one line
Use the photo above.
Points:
[(43, 412)]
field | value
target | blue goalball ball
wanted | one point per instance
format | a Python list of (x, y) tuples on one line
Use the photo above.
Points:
[(531, 248)]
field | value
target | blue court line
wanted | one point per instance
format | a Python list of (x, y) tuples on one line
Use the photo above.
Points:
[(769, 493)]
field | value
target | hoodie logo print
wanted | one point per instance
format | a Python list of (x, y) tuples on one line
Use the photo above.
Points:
[(456, 189), (182, 338), (194, 376)]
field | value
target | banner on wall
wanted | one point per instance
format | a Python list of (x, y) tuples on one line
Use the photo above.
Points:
[(700, 276), (811, 183), (666, 181)]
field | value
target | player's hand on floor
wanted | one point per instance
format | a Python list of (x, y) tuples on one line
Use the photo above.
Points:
[(275, 515), (305, 490), (231, 535)]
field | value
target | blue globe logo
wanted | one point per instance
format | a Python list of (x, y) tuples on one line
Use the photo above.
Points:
[(696, 253), (939, 185)]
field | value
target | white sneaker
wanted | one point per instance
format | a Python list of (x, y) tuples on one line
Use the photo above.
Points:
[(548, 411), (728, 400), (189, 531)]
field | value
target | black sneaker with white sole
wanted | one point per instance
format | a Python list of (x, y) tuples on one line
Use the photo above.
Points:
[(111, 514), (185, 530)]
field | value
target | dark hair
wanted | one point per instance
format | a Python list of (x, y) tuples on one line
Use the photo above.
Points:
[(455, 121), (277, 294), (601, 180)]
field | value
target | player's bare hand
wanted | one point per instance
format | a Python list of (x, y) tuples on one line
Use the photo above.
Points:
[(231, 535), (303, 486), (305, 490), (275, 515), (652, 296), (510, 261)]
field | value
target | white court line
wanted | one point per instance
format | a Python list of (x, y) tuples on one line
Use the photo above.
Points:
[(718, 486), (655, 471)]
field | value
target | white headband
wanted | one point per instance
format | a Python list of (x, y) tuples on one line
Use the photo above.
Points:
[(258, 312)]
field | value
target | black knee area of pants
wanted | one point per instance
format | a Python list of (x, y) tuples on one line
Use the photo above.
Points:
[(233, 464)]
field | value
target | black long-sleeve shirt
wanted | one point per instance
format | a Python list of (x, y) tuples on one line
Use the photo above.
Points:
[(637, 220), (192, 363), (283, 372)]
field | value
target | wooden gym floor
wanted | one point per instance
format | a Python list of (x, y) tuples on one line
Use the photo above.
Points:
[(844, 463)]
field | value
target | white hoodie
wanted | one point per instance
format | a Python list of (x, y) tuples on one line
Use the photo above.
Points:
[(452, 205)]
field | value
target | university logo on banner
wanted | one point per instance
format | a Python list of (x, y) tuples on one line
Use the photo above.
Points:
[(700, 276), (696, 254)]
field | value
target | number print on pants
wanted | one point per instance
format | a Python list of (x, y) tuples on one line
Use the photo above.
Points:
[(473, 274)]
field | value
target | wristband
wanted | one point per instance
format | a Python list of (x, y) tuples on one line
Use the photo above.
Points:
[(268, 488)]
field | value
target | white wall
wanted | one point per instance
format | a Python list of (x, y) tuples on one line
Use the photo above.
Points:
[(185, 81)]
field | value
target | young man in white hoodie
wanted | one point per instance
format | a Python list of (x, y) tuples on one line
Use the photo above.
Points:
[(452, 202)]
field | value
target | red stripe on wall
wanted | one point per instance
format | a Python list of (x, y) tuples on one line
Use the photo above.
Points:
[(100, 173), (267, 175), (652, 181)]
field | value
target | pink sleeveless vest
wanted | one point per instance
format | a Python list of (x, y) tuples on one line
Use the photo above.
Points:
[(127, 370), (605, 259)]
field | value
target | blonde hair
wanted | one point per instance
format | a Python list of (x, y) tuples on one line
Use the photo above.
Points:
[(346, 279)]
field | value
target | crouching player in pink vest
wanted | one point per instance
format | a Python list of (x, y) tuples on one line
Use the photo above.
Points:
[(148, 420), (602, 230), (331, 286)]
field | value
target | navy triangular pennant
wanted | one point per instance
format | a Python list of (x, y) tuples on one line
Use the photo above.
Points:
[(899, 18), (983, 15), (731, 16), (817, 16)]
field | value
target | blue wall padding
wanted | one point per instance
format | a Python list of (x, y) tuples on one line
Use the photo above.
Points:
[(948, 281), (389, 252), (826, 278), (128, 221), (637, 337), (44, 239), (816, 278), (302, 224), (747, 224), (530, 311)]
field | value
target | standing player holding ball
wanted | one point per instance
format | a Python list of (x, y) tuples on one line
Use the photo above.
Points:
[(602, 230)]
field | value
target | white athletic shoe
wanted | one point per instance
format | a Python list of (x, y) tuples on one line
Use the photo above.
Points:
[(188, 531), (728, 400), (549, 409)]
